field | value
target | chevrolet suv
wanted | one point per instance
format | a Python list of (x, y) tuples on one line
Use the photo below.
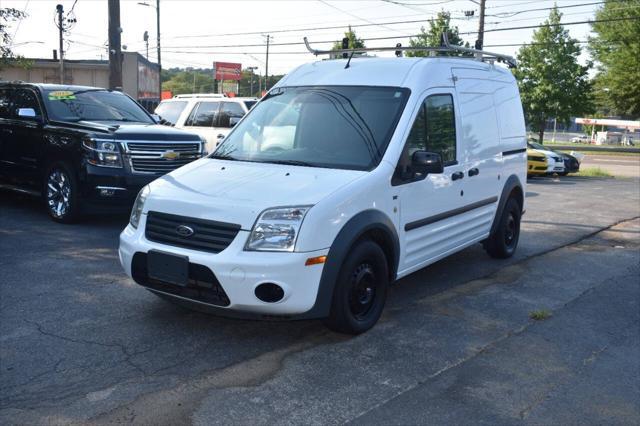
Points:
[(84, 148)]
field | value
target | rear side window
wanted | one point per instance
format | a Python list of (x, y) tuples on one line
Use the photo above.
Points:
[(228, 110), (434, 129), (5, 103), (171, 111), (204, 114)]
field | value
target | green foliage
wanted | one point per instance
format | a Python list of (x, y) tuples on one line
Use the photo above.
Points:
[(431, 37), (181, 81), (552, 83), (539, 315), (7, 15), (616, 48), (354, 41)]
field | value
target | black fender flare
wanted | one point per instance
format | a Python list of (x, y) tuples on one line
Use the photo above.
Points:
[(351, 232), (512, 183)]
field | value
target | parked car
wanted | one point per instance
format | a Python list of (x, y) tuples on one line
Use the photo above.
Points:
[(555, 163), (571, 163), (390, 167), (537, 163), (84, 148), (210, 116), (581, 139)]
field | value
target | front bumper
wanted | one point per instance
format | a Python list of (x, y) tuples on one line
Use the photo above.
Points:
[(238, 272), (112, 188)]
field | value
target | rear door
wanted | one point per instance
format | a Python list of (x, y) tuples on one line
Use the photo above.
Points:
[(429, 205), (202, 120), (481, 146)]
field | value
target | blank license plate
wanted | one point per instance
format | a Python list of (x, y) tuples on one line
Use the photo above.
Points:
[(168, 268)]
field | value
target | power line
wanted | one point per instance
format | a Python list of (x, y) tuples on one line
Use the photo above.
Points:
[(402, 36), (510, 14)]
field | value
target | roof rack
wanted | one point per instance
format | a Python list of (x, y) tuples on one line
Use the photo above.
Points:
[(480, 55)]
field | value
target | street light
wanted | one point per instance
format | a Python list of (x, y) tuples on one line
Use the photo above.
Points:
[(157, 8), (252, 69)]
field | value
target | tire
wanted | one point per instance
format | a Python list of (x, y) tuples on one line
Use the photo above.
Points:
[(60, 193), (361, 290), (503, 242)]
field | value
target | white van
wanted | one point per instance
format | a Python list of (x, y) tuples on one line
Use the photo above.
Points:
[(339, 182), (211, 116)]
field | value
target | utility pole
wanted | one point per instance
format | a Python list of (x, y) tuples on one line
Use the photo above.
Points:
[(251, 70), (115, 49), (145, 37), (158, 42), (59, 9), (480, 41), (266, 68)]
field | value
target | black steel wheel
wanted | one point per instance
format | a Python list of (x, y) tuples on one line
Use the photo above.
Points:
[(502, 243), (361, 290)]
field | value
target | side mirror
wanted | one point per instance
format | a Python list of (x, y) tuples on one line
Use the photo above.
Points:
[(233, 121), (27, 113), (424, 163), (157, 118)]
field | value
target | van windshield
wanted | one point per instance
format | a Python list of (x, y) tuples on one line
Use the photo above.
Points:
[(93, 105), (344, 127)]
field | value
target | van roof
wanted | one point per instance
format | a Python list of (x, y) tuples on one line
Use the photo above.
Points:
[(392, 72)]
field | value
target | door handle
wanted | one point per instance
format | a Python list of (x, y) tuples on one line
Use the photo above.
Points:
[(474, 172), (457, 175), (220, 136)]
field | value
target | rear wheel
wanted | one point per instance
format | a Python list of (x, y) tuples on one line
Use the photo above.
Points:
[(60, 193), (361, 290), (502, 243)]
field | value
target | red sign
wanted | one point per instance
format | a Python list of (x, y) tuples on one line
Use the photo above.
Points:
[(227, 71)]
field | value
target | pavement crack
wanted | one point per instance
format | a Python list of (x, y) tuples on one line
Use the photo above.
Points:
[(127, 355)]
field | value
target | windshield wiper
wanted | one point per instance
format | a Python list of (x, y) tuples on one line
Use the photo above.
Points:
[(291, 162), (224, 157)]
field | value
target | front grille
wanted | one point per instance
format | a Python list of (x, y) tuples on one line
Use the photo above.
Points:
[(161, 157), (208, 235), (540, 168), (203, 285), (531, 158)]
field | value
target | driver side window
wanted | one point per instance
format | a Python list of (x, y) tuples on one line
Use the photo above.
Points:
[(23, 98)]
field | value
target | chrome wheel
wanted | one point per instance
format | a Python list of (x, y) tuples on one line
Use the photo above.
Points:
[(58, 193)]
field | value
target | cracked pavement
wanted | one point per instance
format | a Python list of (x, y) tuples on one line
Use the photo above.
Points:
[(81, 343)]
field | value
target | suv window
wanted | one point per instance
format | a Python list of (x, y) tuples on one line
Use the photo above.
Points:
[(24, 98), (228, 110), (434, 129), (5, 104), (204, 114), (170, 111)]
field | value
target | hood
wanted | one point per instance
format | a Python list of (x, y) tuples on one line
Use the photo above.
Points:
[(236, 191), (133, 131)]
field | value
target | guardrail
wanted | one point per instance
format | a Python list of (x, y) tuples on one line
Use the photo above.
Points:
[(591, 148)]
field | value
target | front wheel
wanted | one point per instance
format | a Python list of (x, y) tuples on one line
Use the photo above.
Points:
[(361, 290), (60, 193), (502, 243)]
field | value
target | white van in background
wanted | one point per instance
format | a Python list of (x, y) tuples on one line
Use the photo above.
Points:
[(348, 175), (209, 115)]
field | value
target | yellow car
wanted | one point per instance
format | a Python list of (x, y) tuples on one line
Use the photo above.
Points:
[(536, 163)]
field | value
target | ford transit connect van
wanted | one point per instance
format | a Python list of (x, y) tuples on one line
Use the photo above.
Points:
[(346, 176)]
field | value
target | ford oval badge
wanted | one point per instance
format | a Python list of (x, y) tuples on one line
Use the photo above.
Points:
[(184, 231)]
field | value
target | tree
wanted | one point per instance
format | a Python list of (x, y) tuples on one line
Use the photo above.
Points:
[(616, 48), (7, 15), (431, 38), (552, 83), (354, 41)]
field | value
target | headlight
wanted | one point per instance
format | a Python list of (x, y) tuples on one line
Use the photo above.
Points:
[(103, 153), (277, 229), (136, 212), (204, 146)]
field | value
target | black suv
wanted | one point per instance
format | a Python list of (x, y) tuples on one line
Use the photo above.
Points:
[(84, 148)]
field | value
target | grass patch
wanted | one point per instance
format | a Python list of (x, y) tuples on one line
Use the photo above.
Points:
[(593, 172), (539, 315)]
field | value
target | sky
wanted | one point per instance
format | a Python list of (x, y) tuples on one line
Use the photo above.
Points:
[(197, 33)]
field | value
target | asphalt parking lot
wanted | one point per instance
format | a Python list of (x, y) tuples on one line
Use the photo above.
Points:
[(81, 343)]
